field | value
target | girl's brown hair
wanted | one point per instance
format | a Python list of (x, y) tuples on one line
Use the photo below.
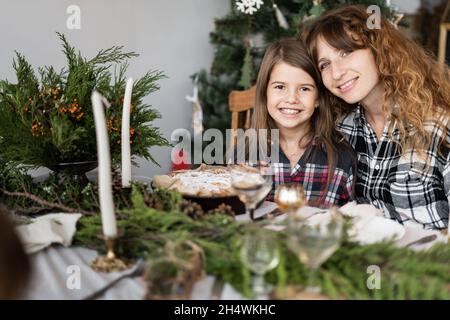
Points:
[(14, 263), (414, 82), (322, 123)]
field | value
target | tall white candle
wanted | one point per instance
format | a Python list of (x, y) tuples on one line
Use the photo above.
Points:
[(126, 152), (104, 168)]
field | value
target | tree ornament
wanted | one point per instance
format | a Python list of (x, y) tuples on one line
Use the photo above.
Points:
[(249, 6), (197, 112), (280, 17)]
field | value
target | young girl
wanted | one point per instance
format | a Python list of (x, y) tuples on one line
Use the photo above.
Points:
[(395, 103), (311, 152)]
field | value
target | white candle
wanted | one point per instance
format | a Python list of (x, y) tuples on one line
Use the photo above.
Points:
[(126, 152), (104, 168)]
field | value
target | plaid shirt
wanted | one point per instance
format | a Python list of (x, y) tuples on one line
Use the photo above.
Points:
[(398, 183), (312, 173)]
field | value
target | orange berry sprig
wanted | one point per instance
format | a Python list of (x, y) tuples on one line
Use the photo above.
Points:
[(132, 132), (73, 109), (36, 128), (112, 124)]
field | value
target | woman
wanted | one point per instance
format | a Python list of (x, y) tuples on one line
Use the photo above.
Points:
[(394, 103)]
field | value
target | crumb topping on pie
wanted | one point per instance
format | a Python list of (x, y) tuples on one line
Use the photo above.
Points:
[(204, 181)]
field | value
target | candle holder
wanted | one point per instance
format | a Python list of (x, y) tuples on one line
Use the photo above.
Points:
[(289, 197), (109, 262)]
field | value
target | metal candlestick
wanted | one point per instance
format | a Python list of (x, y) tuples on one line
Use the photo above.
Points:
[(109, 262)]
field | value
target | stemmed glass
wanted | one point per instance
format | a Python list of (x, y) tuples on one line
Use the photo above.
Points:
[(314, 241), (251, 184), (259, 253)]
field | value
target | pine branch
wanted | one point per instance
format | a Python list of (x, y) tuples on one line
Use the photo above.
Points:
[(45, 203), (24, 71), (68, 51), (113, 54)]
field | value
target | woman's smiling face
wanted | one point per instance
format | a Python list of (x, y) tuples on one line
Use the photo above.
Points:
[(292, 96), (351, 76)]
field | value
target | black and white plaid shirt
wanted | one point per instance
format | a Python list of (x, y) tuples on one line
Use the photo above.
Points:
[(398, 183)]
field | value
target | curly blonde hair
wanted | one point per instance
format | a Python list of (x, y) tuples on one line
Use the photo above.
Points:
[(413, 80)]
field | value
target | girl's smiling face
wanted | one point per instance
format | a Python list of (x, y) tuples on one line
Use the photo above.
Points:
[(292, 96)]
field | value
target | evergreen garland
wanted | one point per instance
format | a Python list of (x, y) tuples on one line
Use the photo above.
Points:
[(22, 194), (405, 274)]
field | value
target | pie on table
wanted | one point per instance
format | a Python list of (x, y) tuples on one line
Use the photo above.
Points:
[(205, 181)]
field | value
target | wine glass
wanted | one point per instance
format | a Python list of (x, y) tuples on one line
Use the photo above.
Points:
[(259, 253), (314, 240), (251, 184)]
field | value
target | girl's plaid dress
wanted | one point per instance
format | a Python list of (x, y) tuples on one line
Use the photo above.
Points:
[(311, 171)]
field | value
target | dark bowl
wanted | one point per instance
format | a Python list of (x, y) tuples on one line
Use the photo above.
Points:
[(74, 168)]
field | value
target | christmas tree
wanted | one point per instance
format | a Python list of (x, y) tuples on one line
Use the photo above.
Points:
[(240, 39)]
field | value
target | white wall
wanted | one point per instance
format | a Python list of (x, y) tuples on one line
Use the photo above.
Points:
[(407, 6), (170, 35), (411, 6)]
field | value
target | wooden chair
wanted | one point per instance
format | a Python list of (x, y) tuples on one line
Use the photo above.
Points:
[(241, 104), (444, 38)]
